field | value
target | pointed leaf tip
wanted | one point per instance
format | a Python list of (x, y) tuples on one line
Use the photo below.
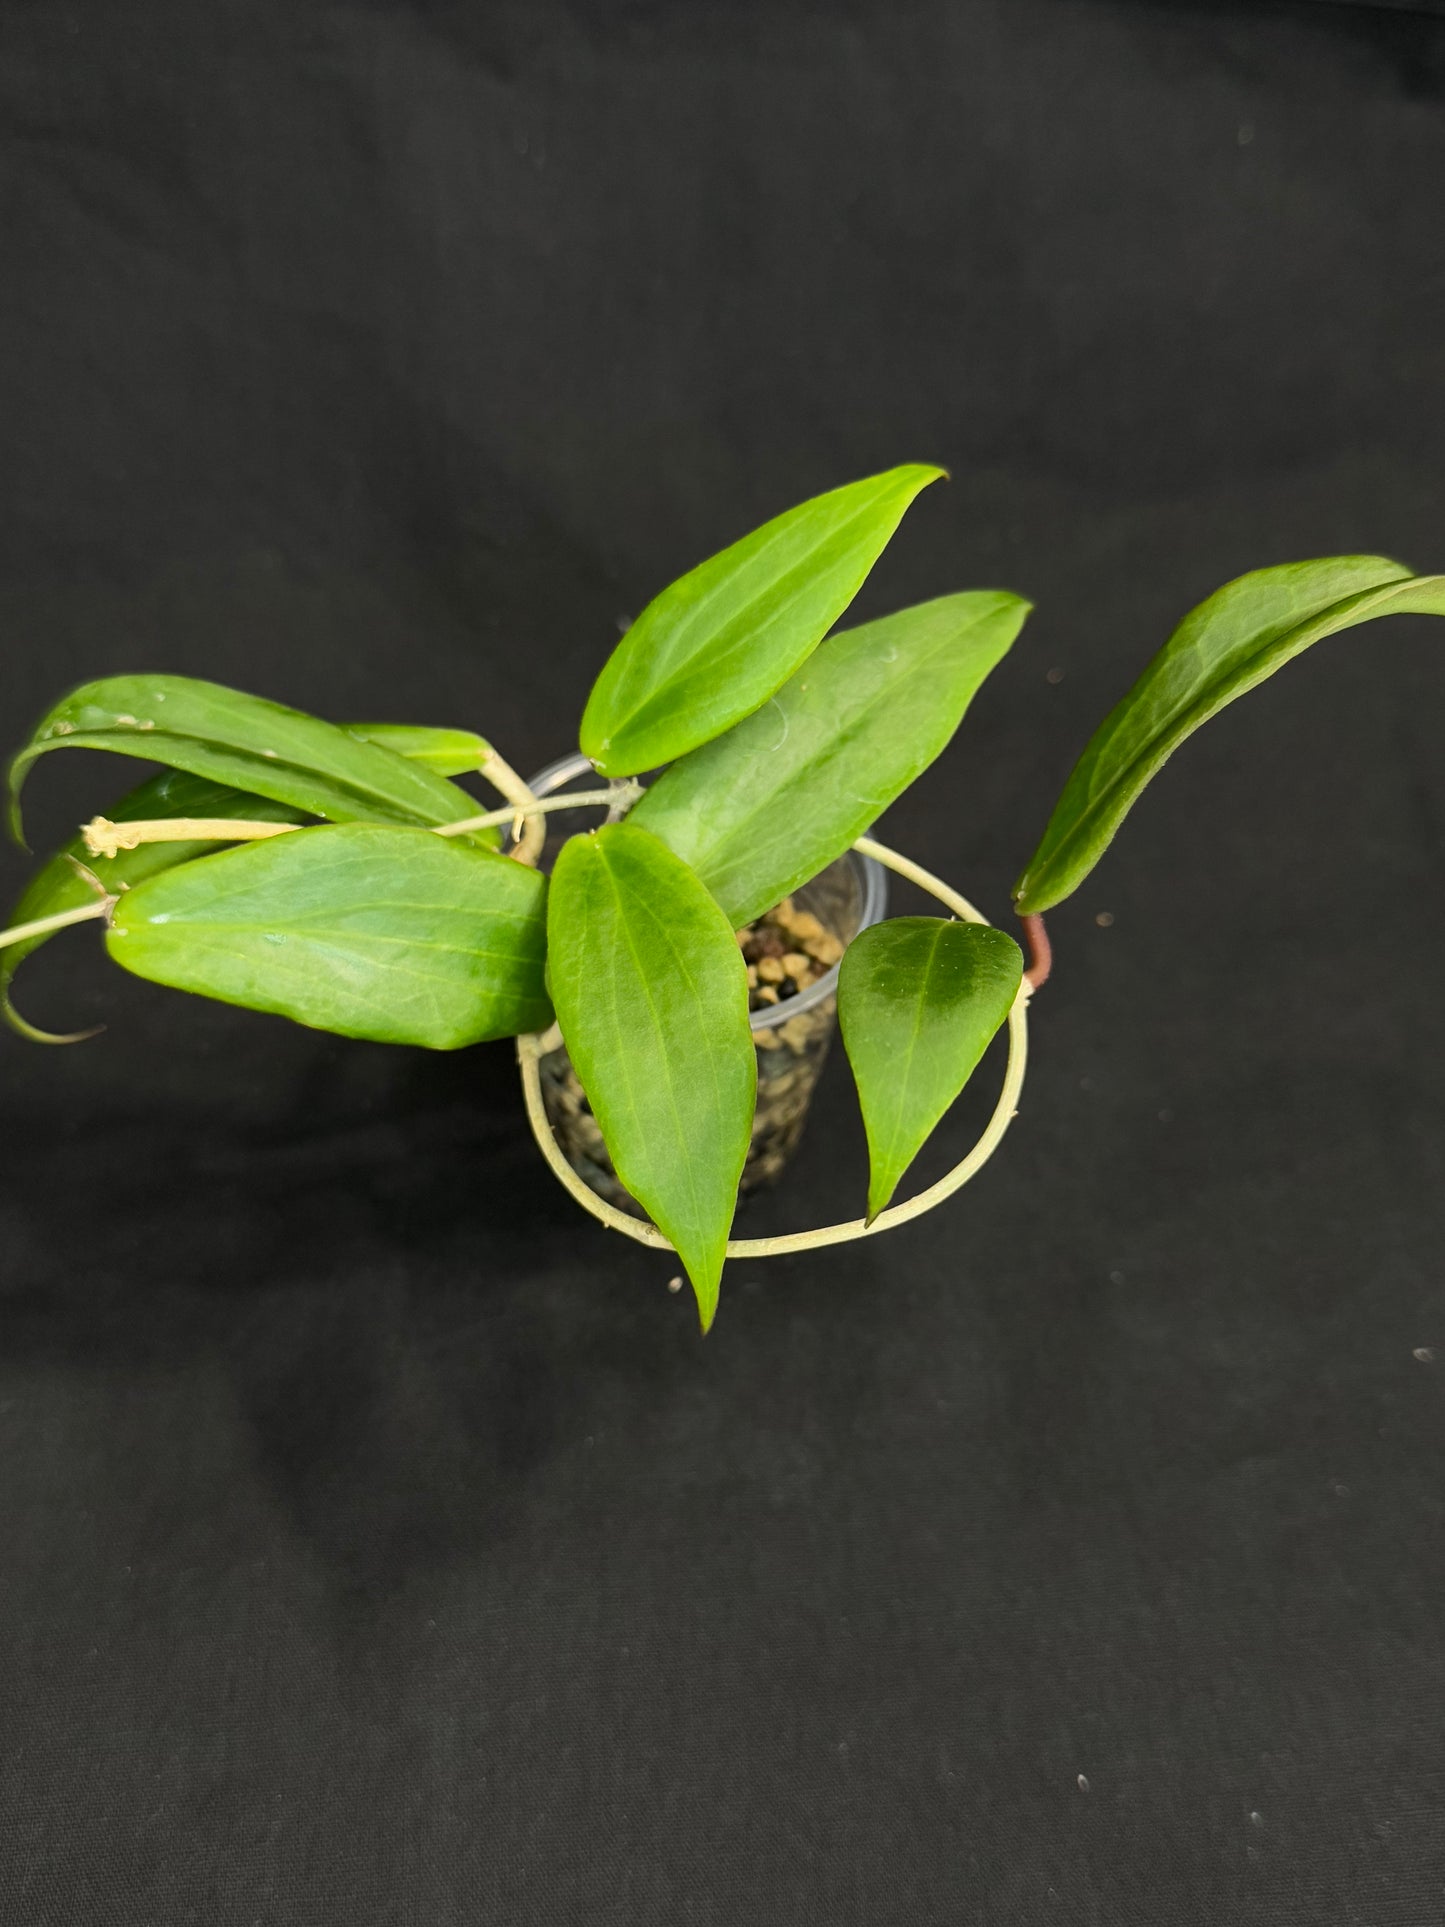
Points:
[(918, 1000), (449, 752), (1238, 637), (717, 643), (651, 993), (771, 803)]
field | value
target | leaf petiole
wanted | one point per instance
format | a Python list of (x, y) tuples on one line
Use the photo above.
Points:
[(103, 838), (541, 805), (42, 926), (1041, 951), (528, 831)]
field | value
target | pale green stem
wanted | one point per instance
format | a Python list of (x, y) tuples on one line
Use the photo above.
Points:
[(106, 839), (528, 828), (575, 800), (42, 926), (623, 792)]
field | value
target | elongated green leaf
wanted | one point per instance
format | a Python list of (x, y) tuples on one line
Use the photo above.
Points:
[(392, 934), (918, 1000), (713, 647), (768, 805), (652, 996), (1243, 633), (246, 743), (60, 885), (450, 752)]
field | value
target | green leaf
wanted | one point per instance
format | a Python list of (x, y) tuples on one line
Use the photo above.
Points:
[(652, 995), (1241, 635), (59, 885), (713, 647), (391, 934), (918, 1000), (771, 803), (450, 752), (248, 744)]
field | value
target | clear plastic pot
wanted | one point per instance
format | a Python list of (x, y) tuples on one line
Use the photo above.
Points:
[(792, 1037)]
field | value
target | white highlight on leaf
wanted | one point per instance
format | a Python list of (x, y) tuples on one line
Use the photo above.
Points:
[(773, 703)]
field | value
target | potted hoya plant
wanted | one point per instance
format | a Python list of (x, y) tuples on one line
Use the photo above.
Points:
[(670, 973)]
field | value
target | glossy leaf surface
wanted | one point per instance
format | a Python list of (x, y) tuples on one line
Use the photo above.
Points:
[(391, 934), (1241, 635), (715, 645), (768, 805), (245, 743), (59, 885), (918, 1000), (651, 993)]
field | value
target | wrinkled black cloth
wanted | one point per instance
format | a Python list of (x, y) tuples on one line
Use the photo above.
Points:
[(380, 1543)]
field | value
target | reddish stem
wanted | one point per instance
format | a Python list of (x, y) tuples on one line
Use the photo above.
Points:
[(1041, 953)]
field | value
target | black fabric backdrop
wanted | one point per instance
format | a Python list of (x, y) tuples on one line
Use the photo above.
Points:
[(378, 1541)]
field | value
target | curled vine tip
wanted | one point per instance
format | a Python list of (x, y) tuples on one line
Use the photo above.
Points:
[(33, 1034)]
